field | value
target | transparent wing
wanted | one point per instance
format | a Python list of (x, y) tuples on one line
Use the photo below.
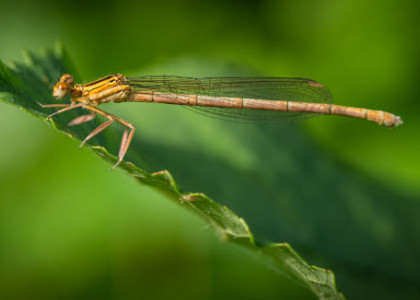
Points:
[(266, 88)]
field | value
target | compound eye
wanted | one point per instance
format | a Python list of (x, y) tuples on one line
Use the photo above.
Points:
[(67, 79)]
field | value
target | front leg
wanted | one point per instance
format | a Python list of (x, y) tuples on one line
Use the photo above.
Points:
[(66, 107), (52, 105)]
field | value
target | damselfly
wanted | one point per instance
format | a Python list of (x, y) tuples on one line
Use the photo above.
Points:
[(245, 98)]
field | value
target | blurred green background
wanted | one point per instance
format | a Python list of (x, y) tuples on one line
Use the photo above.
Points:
[(71, 229)]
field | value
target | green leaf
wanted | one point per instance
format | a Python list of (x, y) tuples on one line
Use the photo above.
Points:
[(22, 85)]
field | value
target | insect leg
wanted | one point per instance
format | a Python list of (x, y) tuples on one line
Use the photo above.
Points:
[(68, 107), (52, 105), (127, 135), (82, 119)]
